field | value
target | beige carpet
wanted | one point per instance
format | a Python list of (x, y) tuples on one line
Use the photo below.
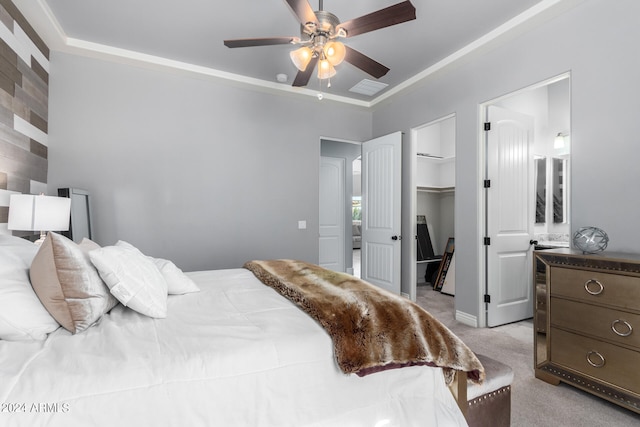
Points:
[(533, 402)]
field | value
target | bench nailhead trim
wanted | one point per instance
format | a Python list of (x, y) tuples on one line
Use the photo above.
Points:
[(488, 395)]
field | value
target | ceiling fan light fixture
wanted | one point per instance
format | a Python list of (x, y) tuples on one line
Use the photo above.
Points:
[(335, 52), (301, 57), (325, 69), (318, 33)]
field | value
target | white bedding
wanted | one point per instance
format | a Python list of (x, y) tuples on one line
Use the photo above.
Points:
[(234, 354)]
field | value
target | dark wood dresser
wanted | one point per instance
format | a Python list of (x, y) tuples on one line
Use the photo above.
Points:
[(587, 322)]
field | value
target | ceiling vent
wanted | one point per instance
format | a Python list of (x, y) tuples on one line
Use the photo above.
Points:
[(368, 87)]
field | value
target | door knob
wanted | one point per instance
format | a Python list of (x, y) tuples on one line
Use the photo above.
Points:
[(396, 237)]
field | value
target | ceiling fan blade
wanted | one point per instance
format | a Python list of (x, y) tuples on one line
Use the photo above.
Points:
[(302, 78), (365, 63), (392, 15), (267, 41), (303, 11)]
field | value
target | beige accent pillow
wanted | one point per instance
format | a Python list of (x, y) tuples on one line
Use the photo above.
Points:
[(68, 284)]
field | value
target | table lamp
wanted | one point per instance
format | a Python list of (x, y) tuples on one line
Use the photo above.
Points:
[(41, 213)]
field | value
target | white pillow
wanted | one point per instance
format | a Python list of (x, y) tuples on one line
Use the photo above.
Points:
[(178, 283), (132, 278), (22, 315)]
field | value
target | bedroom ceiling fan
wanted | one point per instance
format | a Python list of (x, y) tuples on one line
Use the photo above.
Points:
[(319, 34)]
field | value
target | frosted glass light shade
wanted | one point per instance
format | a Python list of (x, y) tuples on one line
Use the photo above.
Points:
[(325, 69), (558, 141), (301, 57), (335, 52), (38, 213)]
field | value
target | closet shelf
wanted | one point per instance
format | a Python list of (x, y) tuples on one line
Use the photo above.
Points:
[(435, 159), (428, 261), (431, 189)]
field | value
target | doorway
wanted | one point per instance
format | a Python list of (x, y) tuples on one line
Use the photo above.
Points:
[(356, 216), (432, 197), (336, 195), (521, 152), (381, 171)]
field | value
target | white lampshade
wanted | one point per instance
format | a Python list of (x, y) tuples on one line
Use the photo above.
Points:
[(301, 57), (38, 213), (335, 52), (558, 141), (325, 69)]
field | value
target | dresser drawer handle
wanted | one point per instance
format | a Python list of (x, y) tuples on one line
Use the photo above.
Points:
[(588, 289), (627, 326), (599, 363)]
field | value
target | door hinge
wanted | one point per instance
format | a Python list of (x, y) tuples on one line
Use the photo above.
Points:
[(487, 183), (487, 298), (487, 126), (487, 241)]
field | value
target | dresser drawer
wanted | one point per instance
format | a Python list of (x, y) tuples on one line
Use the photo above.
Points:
[(596, 287), (617, 366), (601, 322)]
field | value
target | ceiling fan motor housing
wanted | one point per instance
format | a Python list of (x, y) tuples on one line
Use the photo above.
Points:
[(326, 27)]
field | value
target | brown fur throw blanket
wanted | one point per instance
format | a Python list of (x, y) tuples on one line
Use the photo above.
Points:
[(372, 329)]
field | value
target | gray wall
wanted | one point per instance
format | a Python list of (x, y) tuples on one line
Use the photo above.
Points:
[(200, 172), (597, 41), (211, 175)]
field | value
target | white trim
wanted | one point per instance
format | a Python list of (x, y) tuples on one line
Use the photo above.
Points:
[(130, 56), (481, 217), (467, 319), (534, 86), (42, 18), (29, 130), (346, 141), (433, 122), (484, 41)]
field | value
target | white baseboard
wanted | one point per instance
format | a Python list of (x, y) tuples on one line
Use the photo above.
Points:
[(467, 319)]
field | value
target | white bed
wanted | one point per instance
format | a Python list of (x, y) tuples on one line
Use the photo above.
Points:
[(234, 354)]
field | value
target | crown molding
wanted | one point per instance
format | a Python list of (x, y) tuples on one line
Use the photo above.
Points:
[(45, 23)]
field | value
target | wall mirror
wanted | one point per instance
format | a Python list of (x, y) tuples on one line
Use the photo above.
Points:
[(559, 167), (551, 174), (540, 170)]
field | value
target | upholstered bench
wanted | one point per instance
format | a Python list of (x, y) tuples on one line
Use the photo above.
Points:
[(489, 404)]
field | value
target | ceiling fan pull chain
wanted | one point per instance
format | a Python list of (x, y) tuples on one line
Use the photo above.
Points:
[(320, 95)]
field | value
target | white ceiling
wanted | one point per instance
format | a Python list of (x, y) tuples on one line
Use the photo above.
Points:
[(189, 34)]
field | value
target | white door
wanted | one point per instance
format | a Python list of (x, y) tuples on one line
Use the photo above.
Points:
[(381, 209), (510, 210), (332, 213)]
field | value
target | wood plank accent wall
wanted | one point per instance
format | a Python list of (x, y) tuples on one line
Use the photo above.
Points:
[(24, 108)]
